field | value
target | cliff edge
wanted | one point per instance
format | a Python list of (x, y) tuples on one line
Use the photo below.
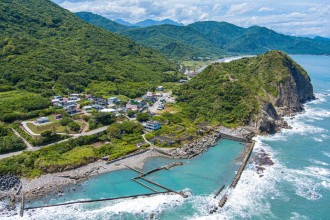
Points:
[(255, 92)]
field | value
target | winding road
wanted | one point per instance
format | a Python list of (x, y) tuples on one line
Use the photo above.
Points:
[(31, 148)]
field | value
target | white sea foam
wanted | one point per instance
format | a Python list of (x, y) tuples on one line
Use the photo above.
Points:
[(318, 139), (320, 98), (325, 136), (141, 207), (248, 199), (251, 198), (297, 216), (318, 162), (319, 171), (326, 153)]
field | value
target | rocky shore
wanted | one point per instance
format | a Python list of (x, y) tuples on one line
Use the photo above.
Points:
[(196, 147), (261, 159)]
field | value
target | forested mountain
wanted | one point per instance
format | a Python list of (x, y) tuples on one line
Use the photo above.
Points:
[(150, 22), (102, 22), (246, 91), (255, 39), (46, 49), (147, 23), (121, 21), (212, 39), (174, 41)]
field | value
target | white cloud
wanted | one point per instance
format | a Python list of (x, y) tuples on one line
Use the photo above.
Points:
[(287, 16), (265, 9), (238, 9)]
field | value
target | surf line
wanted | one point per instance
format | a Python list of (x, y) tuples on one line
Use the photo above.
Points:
[(142, 174), (247, 155)]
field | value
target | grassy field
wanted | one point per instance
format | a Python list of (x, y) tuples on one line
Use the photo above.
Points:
[(54, 125), (194, 65)]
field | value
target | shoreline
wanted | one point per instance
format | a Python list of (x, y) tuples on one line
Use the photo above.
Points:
[(56, 182)]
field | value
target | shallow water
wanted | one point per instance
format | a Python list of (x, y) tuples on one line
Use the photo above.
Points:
[(199, 177), (297, 186)]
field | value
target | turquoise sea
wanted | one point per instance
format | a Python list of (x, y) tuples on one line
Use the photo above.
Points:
[(297, 186)]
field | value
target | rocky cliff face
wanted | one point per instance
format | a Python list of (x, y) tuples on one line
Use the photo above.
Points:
[(294, 90)]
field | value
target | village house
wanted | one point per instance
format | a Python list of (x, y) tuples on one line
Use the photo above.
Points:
[(152, 125), (160, 88), (43, 120), (113, 100), (88, 108), (100, 101), (149, 97), (71, 109), (109, 110), (57, 116), (136, 105), (97, 107)]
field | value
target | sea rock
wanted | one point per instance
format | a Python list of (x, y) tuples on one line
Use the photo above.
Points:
[(8, 182)]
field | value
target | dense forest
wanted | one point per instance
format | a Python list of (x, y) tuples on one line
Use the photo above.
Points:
[(214, 39), (47, 49)]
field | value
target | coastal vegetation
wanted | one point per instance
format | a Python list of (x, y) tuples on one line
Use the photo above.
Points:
[(63, 156), (233, 94), (9, 142)]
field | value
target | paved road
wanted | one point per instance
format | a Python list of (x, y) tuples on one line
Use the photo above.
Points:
[(24, 124), (28, 145), (31, 148), (148, 142), (154, 107)]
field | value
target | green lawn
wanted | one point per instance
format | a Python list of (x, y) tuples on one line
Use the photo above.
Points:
[(54, 124)]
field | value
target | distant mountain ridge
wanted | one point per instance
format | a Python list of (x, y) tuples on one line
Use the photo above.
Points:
[(102, 22), (122, 22), (148, 23), (213, 39)]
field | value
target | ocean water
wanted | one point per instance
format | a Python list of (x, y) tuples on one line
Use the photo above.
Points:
[(297, 186)]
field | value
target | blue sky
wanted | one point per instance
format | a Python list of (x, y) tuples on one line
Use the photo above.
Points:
[(294, 17)]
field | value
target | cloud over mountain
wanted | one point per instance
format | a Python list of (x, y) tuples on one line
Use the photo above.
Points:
[(291, 17)]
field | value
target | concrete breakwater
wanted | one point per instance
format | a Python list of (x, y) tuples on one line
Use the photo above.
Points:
[(246, 157)]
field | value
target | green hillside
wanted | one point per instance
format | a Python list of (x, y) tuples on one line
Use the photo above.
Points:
[(47, 49), (256, 40), (212, 39), (185, 40), (102, 22), (233, 93)]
